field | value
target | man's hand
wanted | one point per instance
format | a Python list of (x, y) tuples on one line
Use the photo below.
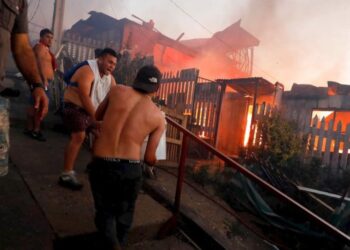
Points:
[(41, 102)]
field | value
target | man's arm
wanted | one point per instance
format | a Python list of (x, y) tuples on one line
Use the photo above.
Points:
[(152, 144), (85, 77), (41, 53), (24, 57), (27, 65)]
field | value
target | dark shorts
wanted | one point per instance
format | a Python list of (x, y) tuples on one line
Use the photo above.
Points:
[(115, 184), (75, 118)]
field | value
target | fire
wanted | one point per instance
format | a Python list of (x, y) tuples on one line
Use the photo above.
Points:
[(248, 124), (202, 135), (187, 112)]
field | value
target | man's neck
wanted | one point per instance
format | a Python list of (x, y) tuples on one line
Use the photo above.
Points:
[(43, 44)]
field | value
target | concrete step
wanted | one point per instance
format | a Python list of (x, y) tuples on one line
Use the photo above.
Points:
[(72, 213), (22, 223), (170, 243)]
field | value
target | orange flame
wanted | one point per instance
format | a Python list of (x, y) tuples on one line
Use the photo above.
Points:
[(248, 124)]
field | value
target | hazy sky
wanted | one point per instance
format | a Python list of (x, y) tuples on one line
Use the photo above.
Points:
[(302, 41)]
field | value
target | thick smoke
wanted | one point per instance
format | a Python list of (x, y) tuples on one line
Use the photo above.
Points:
[(300, 41)]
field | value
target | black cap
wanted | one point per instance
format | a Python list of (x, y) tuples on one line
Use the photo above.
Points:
[(147, 79)]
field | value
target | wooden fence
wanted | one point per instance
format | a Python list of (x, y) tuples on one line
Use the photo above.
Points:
[(199, 99), (81, 48), (173, 138), (259, 113), (329, 142), (177, 90)]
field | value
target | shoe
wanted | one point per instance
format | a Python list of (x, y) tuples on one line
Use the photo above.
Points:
[(38, 136), (69, 181), (28, 132)]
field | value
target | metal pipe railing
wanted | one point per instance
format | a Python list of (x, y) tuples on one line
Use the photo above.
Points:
[(181, 173)]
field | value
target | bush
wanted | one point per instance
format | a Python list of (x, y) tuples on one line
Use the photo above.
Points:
[(281, 144)]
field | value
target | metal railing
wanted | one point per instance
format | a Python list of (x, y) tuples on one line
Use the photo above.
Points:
[(173, 221)]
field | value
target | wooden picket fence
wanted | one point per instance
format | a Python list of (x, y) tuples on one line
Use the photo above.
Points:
[(326, 140), (329, 141), (259, 113), (81, 48), (173, 138)]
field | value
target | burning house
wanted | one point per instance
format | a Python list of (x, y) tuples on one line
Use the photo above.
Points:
[(222, 112), (304, 102), (323, 114), (227, 54)]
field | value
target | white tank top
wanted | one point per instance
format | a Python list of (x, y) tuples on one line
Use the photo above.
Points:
[(101, 85)]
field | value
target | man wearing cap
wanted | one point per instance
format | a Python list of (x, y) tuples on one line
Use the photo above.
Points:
[(128, 116)]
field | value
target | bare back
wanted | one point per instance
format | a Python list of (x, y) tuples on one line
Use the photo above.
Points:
[(128, 118)]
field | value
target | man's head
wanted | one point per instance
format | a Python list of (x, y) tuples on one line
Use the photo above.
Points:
[(147, 79), (46, 37), (107, 60)]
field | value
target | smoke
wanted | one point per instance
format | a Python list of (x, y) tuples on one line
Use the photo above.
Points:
[(300, 41)]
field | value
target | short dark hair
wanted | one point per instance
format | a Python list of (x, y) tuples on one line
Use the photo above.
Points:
[(43, 32), (107, 51), (98, 52), (147, 79)]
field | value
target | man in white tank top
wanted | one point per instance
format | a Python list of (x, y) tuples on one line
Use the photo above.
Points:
[(87, 86)]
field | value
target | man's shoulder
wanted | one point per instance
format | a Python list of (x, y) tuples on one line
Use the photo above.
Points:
[(119, 90), (120, 87), (40, 47), (156, 112), (84, 71)]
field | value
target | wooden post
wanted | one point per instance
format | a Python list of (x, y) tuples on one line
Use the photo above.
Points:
[(335, 157), (313, 135), (320, 137), (330, 133), (253, 123), (344, 157)]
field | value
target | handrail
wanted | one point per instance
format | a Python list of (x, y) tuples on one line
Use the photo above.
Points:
[(181, 172)]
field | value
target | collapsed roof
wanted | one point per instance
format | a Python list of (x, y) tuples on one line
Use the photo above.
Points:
[(231, 38)]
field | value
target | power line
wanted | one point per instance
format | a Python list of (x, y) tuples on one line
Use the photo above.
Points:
[(115, 13), (36, 25), (43, 14), (190, 16), (35, 11), (219, 39)]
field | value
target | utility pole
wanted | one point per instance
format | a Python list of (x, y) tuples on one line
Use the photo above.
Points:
[(57, 24)]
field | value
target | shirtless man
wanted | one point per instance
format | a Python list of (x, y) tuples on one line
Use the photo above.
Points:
[(87, 86), (128, 116), (47, 66)]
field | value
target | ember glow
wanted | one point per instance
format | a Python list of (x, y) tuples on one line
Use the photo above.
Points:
[(202, 135), (248, 124)]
